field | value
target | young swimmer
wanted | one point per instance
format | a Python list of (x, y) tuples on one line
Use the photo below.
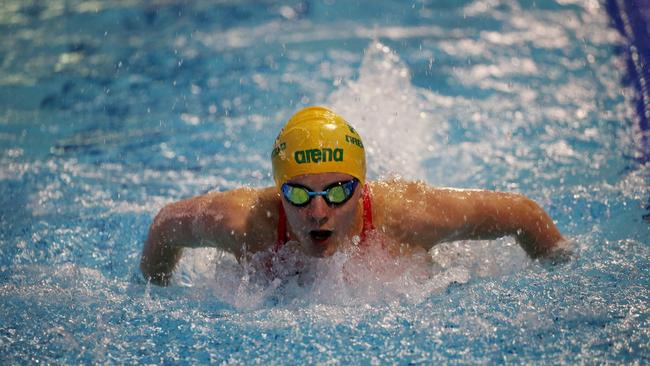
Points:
[(322, 201)]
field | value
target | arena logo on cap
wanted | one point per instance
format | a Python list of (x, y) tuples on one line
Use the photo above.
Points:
[(318, 155)]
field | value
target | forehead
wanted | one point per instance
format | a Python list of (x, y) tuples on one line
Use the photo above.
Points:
[(320, 180)]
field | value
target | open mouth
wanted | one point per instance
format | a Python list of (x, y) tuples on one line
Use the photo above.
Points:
[(320, 235)]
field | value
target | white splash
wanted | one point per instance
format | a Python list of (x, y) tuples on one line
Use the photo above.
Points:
[(393, 117), (348, 278)]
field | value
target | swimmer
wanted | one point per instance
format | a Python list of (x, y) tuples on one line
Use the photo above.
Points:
[(322, 201)]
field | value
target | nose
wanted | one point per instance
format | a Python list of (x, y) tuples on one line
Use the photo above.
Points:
[(318, 210)]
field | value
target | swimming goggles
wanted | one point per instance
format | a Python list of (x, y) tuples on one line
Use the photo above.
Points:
[(335, 194)]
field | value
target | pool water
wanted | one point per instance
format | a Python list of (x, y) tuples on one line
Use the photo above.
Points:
[(110, 110)]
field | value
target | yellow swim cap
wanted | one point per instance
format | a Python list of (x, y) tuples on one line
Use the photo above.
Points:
[(317, 140)]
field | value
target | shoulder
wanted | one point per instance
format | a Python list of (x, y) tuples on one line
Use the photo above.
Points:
[(249, 214), (397, 202), (397, 186), (396, 193), (240, 199), (243, 207), (416, 213), (393, 199)]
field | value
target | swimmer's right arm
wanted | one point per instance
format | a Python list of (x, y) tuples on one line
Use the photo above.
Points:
[(172, 229), (161, 252), (213, 220)]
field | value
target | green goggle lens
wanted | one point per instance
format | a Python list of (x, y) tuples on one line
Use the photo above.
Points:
[(298, 195), (335, 194)]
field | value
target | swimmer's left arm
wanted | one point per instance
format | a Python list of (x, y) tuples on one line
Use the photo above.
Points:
[(496, 214), (440, 215), (489, 215)]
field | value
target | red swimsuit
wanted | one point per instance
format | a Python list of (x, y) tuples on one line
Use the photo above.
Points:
[(367, 220)]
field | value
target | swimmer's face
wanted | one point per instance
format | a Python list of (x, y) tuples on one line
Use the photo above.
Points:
[(321, 228)]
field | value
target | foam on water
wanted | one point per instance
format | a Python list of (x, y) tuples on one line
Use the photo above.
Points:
[(345, 279)]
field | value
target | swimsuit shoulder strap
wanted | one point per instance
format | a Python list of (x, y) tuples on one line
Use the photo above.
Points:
[(367, 213), (282, 228)]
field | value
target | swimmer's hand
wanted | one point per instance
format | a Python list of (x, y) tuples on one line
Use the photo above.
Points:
[(161, 253), (562, 253), (158, 261)]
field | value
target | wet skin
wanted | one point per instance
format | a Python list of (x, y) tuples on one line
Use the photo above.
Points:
[(411, 217), (322, 229)]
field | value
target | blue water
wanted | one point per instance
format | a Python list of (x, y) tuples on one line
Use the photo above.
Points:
[(109, 110)]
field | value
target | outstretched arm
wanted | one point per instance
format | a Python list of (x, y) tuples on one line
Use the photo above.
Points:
[(439, 215), (229, 220), (497, 214)]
